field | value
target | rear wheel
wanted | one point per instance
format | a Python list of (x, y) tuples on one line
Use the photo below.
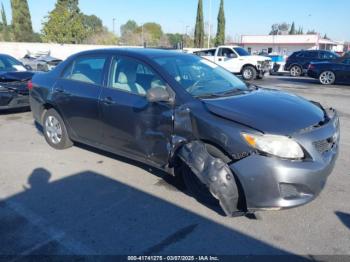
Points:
[(296, 71), (327, 78), (55, 131), (249, 73)]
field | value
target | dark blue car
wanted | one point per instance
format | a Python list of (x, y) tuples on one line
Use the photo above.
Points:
[(237, 145), (298, 63), (328, 73)]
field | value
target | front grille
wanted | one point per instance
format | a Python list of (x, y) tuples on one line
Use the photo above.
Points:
[(325, 145)]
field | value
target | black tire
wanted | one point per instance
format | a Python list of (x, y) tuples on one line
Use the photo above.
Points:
[(51, 121), (249, 73), (296, 71)]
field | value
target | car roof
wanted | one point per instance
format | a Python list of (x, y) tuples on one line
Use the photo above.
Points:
[(136, 52)]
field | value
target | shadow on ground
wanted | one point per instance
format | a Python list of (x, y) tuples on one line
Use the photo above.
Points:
[(88, 213), (344, 218)]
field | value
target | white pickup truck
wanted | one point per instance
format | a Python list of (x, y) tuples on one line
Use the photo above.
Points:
[(237, 60)]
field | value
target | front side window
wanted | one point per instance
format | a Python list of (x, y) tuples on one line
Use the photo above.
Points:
[(227, 52), (133, 76), (241, 51), (87, 70), (200, 77)]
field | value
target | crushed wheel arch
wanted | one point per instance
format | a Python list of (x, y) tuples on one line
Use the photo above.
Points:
[(214, 173)]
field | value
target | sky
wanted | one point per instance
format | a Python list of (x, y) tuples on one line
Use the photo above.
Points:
[(242, 16)]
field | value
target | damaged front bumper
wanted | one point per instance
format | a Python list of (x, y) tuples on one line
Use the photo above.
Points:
[(13, 95), (271, 183)]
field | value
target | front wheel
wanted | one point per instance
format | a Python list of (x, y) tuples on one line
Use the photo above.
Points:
[(249, 73), (55, 131), (327, 78)]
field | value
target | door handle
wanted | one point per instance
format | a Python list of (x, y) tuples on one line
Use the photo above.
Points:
[(108, 101)]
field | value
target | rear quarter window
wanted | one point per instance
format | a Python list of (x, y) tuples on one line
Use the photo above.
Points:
[(86, 69)]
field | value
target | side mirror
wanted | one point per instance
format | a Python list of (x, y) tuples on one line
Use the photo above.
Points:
[(158, 94), (232, 55)]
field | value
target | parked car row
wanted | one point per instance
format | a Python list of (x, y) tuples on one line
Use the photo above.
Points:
[(235, 145), (328, 67)]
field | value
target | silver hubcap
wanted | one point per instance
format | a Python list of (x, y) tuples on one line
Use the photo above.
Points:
[(247, 74), (295, 71), (327, 78), (53, 130)]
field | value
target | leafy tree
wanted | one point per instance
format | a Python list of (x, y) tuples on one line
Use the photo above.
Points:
[(199, 29), (21, 21), (175, 39), (65, 23), (152, 33), (103, 37), (280, 29), (326, 37), (92, 24), (292, 29), (220, 35), (129, 27)]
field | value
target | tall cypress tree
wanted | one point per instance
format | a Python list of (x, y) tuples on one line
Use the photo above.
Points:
[(199, 29), (292, 29), (3, 16), (5, 28), (220, 35), (21, 21)]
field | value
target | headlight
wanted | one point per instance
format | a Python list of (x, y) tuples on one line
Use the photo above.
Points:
[(279, 146)]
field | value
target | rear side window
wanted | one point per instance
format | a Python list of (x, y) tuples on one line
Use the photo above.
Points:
[(311, 55), (327, 55), (86, 69)]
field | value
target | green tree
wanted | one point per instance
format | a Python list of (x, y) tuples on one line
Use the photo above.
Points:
[(220, 35), (292, 29), (152, 33), (92, 24), (65, 24), (21, 21), (199, 29), (175, 39), (129, 27)]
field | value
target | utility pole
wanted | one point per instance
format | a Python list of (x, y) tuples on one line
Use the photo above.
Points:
[(114, 25), (209, 29)]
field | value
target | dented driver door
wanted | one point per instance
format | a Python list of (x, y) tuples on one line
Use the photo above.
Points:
[(132, 125)]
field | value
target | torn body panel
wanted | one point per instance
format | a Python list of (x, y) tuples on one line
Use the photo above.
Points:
[(214, 173)]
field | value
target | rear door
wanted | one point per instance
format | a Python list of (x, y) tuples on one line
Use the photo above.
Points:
[(76, 94), (309, 57), (132, 125), (228, 59)]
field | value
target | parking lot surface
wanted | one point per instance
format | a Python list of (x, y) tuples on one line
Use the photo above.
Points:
[(80, 201)]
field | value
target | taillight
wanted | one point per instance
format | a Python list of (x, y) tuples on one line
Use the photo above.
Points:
[(30, 85)]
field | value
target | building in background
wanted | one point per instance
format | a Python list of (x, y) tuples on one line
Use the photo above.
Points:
[(287, 44)]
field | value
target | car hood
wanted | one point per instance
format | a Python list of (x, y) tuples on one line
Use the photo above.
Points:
[(269, 111)]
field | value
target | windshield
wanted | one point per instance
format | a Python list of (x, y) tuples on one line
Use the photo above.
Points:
[(241, 51), (8, 63), (200, 77)]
